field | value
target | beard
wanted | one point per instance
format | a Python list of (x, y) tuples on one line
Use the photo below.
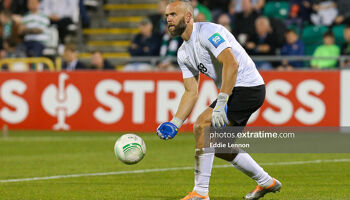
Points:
[(178, 29)]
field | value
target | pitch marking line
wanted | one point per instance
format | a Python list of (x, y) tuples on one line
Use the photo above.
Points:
[(165, 170)]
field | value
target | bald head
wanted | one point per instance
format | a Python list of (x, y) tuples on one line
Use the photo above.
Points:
[(185, 5), (179, 15)]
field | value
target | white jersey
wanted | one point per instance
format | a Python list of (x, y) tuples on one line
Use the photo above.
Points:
[(200, 52), (39, 21)]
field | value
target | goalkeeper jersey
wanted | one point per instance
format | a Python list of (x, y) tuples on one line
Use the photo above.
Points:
[(199, 55)]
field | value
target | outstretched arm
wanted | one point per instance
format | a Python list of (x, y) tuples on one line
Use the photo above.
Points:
[(168, 130), (189, 98)]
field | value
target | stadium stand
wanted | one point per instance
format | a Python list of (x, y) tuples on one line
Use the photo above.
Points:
[(112, 32), (109, 26), (278, 9)]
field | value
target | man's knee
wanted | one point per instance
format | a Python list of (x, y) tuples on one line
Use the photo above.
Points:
[(199, 127)]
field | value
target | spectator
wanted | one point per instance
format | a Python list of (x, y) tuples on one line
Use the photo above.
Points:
[(85, 19), (343, 12), (9, 28), (70, 58), (99, 63), (263, 42), (144, 44), (345, 50), (61, 13), (237, 5), (293, 47), (12, 50), (300, 9), (325, 12), (158, 20), (225, 20), (199, 8), (200, 17), (328, 49), (278, 29), (217, 7), (244, 26), (34, 27), (168, 51), (17, 7)]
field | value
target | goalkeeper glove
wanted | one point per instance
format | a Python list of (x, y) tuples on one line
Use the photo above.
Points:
[(219, 117), (168, 130)]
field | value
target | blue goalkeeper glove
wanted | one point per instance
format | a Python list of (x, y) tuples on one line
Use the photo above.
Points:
[(168, 130)]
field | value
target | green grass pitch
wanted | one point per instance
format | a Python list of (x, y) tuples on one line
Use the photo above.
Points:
[(28, 154)]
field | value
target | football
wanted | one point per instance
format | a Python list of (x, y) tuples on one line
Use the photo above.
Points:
[(130, 148)]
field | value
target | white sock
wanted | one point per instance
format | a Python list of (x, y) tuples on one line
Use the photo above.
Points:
[(245, 163), (203, 164)]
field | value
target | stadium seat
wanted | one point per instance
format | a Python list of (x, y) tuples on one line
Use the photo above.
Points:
[(338, 32), (52, 42), (277, 9), (310, 49), (313, 35)]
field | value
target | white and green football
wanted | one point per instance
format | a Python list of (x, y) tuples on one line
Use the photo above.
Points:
[(130, 148)]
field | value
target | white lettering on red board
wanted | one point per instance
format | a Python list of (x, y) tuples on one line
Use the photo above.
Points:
[(116, 107), (20, 106), (139, 90), (286, 107)]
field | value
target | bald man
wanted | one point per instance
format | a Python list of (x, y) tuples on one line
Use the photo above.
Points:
[(212, 50)]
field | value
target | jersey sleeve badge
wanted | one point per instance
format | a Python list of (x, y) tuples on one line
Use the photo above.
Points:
[(216, 40)]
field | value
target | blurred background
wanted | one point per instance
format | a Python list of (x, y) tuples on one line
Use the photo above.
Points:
[(131, 35)]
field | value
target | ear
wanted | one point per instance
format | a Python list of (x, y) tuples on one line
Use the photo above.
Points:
[(188, 17)]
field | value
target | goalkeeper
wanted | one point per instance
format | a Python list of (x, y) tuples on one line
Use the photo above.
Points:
[(212, 50)]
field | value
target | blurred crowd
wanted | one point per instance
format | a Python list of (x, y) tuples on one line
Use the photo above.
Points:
[(270, 28), (36, 28), (318, 28)]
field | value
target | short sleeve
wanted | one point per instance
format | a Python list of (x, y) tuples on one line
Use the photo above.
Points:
[(186, 73), (214, 39)]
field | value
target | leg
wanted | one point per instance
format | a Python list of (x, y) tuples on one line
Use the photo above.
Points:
[(62, 25), (37, 49), (242, 161), (204, 157), (246, 164), (203, 121)]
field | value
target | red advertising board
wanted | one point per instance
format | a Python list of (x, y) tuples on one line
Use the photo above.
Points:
[(113, 101), (304, 98)]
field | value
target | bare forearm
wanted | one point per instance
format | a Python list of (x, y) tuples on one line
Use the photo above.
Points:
[(229, 76), (187, 103)]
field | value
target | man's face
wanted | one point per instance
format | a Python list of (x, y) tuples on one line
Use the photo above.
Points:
[(97, 60), (33, 5), (247, 6), (328, 40), (146, 29), (176, 19), (68, 55), (291, 37), (262, 27)]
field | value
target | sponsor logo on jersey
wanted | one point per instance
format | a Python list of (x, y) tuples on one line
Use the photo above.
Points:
[(216, 40)]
